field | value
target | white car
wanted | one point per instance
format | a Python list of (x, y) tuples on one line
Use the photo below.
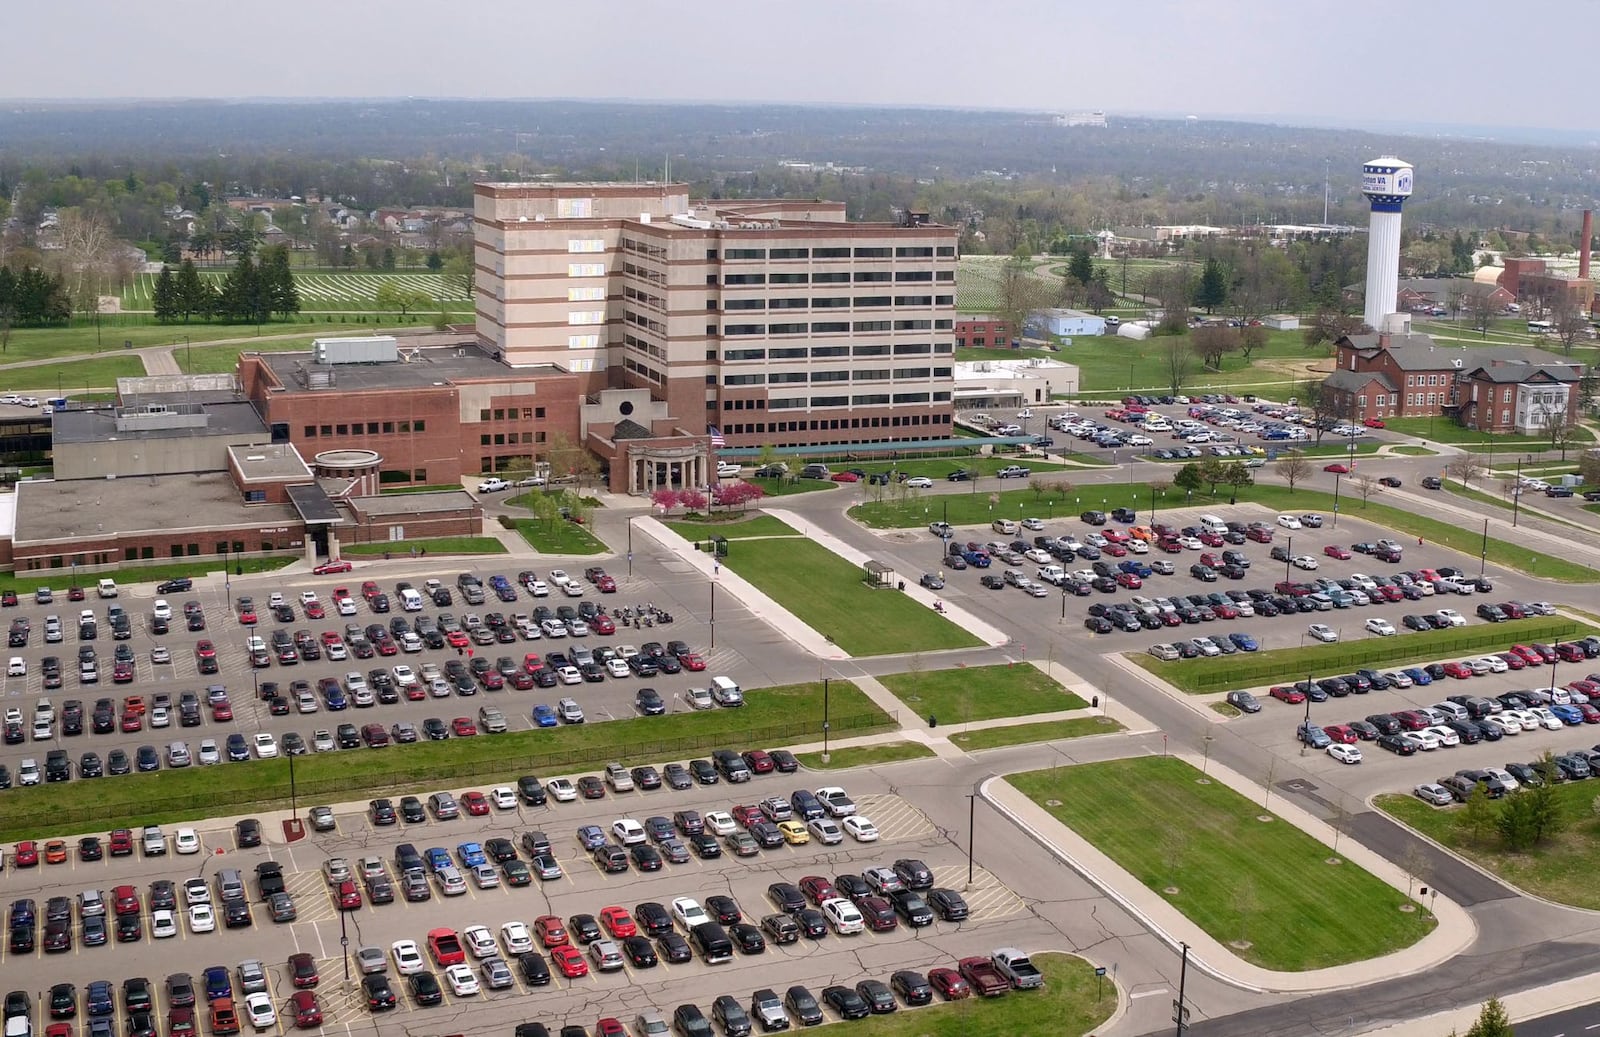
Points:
[(1138, 547), (825, 830), (195, 891), (478, 940), (861, 829), (1507, 725), (1446, 735), (163, 924), (919, 482), (186, 841), (1434, 794), (503, 797), (1288, 522), (322, 741), (258, 1009), (1398, 679), (570, 675), (161, 610), (836, 801), (1495, 664), (562, 789), (539, 589), (1344, 753), (617, 668), (202, 919), (209, 753), (462, 982), (1547, 719), (516, 936), (404, 676), (1451, 617), (408, 959), (1205, 646), (1529, 720), (1305, 562), (266, 746), (1424, 740), (17, 667), (1323, 632), (688, 913), (1381, 627), (843, 916), (631, 833), (720, 822), (1191, 543)]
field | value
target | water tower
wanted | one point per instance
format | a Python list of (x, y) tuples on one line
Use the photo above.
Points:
[(1386, 182)]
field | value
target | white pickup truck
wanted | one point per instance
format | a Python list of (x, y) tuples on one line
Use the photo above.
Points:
[(1015, 966), (1053, 574)]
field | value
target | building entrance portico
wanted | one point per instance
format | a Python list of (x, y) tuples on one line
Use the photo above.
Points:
[(652, 468)]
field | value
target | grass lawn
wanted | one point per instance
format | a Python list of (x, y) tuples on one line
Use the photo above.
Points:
[(60, 578), (435, 545), (866, 755), (72, 377), (1443, 430), (1046, 731), (1253, 669), (936, 468), (1265, 889), (1560, 869), (785, 487), (827, 593), (1073, 1001), (981, 692), (771, 716), (422, 488), (1223, 709), (970, 509), (559, 538), (81, 337), (734, 527), (223, 359), (1408, 450)]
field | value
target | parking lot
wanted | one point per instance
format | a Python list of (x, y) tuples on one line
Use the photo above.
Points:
[(584, 888)]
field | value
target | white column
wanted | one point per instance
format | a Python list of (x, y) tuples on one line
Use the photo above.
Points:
[(1383, 267)]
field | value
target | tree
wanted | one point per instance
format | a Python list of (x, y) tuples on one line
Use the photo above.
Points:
[(1212, 471), (1588, 389), (1251, 338), (1213, 343), (1020, 294), (665, 499), (1589, 467), (1464, 467), (1292, 467), (1178, 357), (1571, 322), (1528, 817), (435, 261), (1477, 816), (1189, 478), (1099, 295), (1212, 290), (277, 281), (394, 296), (1170, 289), (1492, 1021), (1237, 478), (1366, 486), (1481, 312), (193, 295), (164, 297), (1081, 267), (1329, 324)]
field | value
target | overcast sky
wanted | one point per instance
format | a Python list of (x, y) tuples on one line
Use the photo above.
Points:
[(1429, 62)]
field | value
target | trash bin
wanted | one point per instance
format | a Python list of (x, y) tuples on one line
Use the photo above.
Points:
[(901, 585), (1094, 701), (933, 721)]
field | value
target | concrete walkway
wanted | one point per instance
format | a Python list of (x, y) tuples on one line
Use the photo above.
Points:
[(1454, 934)]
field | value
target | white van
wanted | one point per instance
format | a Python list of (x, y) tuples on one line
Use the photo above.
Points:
[(1212, 524), (726, 692), (411, 600)]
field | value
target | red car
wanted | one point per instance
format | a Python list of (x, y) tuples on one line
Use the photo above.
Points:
[(222, 709), (1411, 720), (1116, 536), (606, 585), (746, 813), (846, 477), (1225, 611), (552, 932), (1591, 715), (609, 1027), (457, 639), (1389, 592), (26, 855), (1129, 580), (985, 978), (1337, 551), (314, 610), (1460, 671), (332, 567), (307, 1012), (817, 889), (303, 970), (1341, 734), (949, 984), (475, 803), (133, 704), (570, 961), (618, 922), (122, 673), (532, 662), (1374, 423), (121, 843), (759, 761), (463, 727), (1513, 610), (125, 900), (349, 895), (205, 650), (1211, 539), (1288, 693), (445, 946), (1513, 661), (1170, 545), (1337, 468), (247, 615), (132, 722), (603, 625), (692, 662), (369, 590)]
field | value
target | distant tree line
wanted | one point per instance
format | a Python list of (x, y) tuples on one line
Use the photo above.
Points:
[(251, 292), (30, 296)]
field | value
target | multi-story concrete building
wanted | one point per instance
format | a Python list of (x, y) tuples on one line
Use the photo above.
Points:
[(769, 321)]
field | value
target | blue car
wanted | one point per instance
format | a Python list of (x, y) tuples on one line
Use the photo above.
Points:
[(544, 716), (1569, 715), (217, 983), (438, 857), (471, 855), (97, 998), (238, 751), (591, 837), (336, 698), (1418, 675), (976, 559), (1136, 567), (1244, 642)]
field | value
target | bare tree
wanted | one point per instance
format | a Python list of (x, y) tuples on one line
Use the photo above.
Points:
[(1571, 323), (1178, 356), (1415, 864), (1213, 343), (1292, 467), (1366, 486), (1464, 468), (1330, 325), (1481, 312), (1251, 338), (1170, 288), (1020, 293), (90, 258)]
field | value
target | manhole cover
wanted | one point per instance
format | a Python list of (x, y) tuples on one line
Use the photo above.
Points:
[(1264, 818), (1202, 781), (913, 698), (1333, 860), (1408, 908), (1171, 891), (1052, 802), (1241, 945)]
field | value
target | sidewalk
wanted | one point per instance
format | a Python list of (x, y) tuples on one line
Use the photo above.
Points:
[(1455, 932)]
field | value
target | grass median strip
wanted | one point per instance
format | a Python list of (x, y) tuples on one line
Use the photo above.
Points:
[(437, 545), (972, 693), (828, 594), (733, 527), (1073, 1000), (1255, 669), (772, 716), (1560, 869), (1046, 731), (866, 755), (558, 538), (1271, 893)]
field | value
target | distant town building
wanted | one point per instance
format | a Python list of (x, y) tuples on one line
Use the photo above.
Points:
[(1082, 119), (982, 331), (1063, 323)]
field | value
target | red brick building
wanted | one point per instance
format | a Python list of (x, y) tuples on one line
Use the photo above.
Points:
[(1495, 389), (982, 331)]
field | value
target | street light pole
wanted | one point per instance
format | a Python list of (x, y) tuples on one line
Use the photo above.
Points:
[(1336, 499), (1483, 554), (972, 831), (1516, 494), (826, 755), (1288, 555)]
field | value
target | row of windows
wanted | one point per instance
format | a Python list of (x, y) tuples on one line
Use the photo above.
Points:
[(370, 428), (642, 369), (826, 424), (860, 277), (838, 302), (643, 346), (830, 252), (510, 438), (511, 414), (1419, 380), (872, 375), (801, 352), (818, 328)]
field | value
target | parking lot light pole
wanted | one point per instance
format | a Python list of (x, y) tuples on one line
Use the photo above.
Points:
[(826, 755), (1483, 554), (1288, 555), (972, 830), (1336, 499), (1516, 494)]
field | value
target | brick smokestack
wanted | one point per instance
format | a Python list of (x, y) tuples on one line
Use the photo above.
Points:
[(1583, 247)]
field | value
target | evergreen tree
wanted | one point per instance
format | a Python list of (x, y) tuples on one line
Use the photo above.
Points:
[(194, 296), (164, 299), (1492, 1021), (238, 298), (435, 261), (278, 280), (1212, 291), (388, 258), (1081, 268)]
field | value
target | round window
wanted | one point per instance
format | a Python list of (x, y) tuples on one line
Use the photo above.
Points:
[(626, 407)]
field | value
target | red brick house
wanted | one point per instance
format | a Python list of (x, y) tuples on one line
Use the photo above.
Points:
[(981, 331), (1493, 388)]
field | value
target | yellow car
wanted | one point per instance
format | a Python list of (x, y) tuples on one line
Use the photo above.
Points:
[(794, 833)]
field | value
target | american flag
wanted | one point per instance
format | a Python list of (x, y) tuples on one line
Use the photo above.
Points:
[(717, 439)]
